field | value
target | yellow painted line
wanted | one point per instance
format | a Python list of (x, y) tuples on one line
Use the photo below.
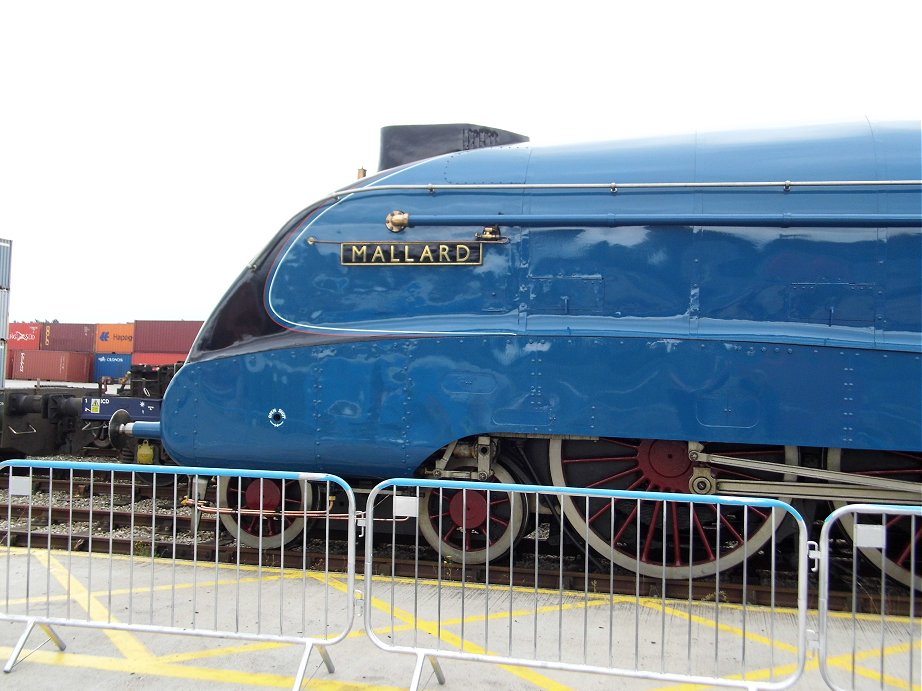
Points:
[(295, 572), (222, 651), (845, 662), (433, 629), (146, 590), (711, 623), (262, 646), (813, 665), (547, 609), (128, 644), (156, 668)]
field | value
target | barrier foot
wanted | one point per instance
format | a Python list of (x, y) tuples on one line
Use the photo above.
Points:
[(20, 644), (418, 671), (302, 668)]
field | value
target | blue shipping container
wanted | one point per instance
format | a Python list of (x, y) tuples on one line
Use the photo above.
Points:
[(114, 365)]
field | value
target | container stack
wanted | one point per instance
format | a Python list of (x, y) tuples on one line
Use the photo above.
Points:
[(86, 353), (114, 348), (21, 337), (63, 352)]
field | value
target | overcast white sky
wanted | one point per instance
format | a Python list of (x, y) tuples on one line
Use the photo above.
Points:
[(149, 150)]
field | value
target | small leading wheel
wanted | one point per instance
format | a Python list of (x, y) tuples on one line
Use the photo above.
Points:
[(264, 513), (472, 525), (655, 537), (902, 532)]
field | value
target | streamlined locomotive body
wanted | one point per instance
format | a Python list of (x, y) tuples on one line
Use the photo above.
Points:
[(712, 313)]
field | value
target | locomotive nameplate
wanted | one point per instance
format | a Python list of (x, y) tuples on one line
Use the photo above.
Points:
[(411, 253)]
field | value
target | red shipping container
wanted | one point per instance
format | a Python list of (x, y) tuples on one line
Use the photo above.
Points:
[(165, 336), (157, 358), (25, 335), (51, 365), (76, 338)]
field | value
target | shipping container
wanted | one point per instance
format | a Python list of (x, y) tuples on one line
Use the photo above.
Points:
[(25, 335), (111, 365), (4, 362), (75, 338), (157, 358), (51, 365), (165, 336), (114, 338)]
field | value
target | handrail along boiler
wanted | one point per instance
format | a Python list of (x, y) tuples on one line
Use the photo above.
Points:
[(735, 313)]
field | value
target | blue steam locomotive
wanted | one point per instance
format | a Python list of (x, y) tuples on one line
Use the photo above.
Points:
[(731, 313)]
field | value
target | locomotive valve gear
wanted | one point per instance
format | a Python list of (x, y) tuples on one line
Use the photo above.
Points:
[(484, 456), (442, 463), (839, 485), (484, 452), (702, 481)]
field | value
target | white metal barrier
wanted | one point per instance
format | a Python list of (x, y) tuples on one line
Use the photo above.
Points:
[(580, 620), (879, 643), (107, 557), (140, 548)]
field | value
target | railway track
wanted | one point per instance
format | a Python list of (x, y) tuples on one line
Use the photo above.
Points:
[(138, 519)]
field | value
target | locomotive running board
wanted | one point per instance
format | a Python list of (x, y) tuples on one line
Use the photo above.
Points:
[(838, 485)]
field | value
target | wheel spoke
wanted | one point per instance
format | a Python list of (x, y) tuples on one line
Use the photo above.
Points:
[(894, 471), (601, 459), (498, 521), (907, 552), (606, 480), (898, 558), (651, 531), (764, 515), (702, 535), (472, 520), (676, 540), (650, 465), (625, 524), (728, 473), (726, 523)]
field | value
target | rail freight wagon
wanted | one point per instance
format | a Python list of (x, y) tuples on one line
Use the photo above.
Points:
[(735, 313)]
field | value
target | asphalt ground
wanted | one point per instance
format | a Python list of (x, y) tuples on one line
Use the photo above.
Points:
[(864, 651)]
